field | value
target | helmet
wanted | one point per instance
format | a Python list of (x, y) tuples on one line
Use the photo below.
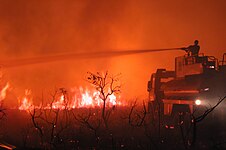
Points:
[(196, 42)]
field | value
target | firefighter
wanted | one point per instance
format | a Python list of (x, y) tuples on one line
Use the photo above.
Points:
[(192, 50)]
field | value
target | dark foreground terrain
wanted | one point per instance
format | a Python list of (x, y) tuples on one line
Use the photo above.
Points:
[(123, 128)]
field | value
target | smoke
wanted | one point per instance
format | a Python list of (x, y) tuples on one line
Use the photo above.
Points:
[(45, 27), (31, 29), (53, 26)]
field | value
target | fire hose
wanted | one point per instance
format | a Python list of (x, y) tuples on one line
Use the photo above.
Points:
[(71, 56)]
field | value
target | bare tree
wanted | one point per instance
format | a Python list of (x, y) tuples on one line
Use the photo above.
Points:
[(207, 111), (189, 133), (141, 120), (106, 85), (136, 117), (90, 121), (36, 114), (50, 122)]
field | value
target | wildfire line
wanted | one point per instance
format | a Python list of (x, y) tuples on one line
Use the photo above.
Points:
[(71, 56)]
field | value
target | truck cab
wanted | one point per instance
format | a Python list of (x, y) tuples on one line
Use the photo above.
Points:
[(194, 78)]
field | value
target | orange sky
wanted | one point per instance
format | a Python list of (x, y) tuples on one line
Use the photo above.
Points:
[(35, 28)]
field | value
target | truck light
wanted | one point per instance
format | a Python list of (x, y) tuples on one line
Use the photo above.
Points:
[(211, 67), (198, 102), (206, 89)]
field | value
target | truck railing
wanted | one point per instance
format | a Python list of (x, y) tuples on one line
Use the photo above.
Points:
[(209, 62), (192, 59), (223, 61), (215, 62)]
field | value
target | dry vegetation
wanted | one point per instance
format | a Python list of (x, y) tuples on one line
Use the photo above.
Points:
[(128, 128), (134, 126)]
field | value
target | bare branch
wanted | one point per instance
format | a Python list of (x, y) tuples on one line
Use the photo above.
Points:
[(106, 86), (84, 119), (205, 114), (136, 118)]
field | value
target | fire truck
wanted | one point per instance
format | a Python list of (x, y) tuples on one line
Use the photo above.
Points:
[(196, 81)]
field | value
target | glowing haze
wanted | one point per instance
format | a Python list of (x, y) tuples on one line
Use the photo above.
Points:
[(39, 28)]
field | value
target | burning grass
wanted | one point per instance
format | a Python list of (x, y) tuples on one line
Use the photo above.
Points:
[(76, 98)]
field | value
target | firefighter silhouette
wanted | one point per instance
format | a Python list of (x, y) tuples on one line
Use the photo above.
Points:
[(192, 50)]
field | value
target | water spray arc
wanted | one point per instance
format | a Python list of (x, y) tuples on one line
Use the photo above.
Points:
[(71, 56)]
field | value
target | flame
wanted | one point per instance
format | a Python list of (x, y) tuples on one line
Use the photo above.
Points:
[(112, 99), (81, 98), (26, 103), (3, 91), (87, 98)]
